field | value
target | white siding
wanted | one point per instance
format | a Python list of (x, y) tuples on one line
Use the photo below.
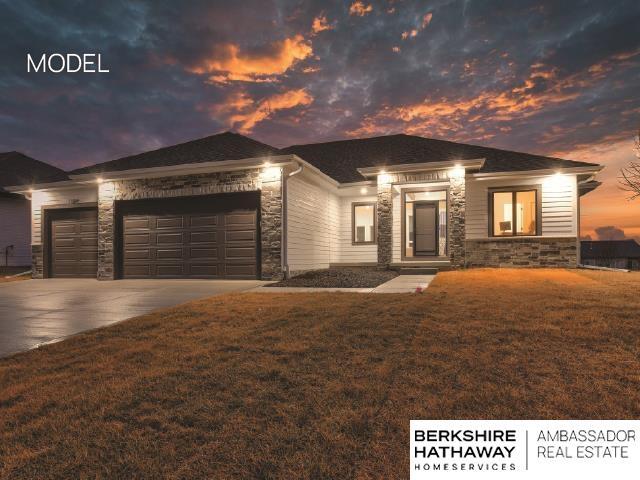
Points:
[(56, 197), (347, 251), (559, 204), (15, 229), (312, 213)]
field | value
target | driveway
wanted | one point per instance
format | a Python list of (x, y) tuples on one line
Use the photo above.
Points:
[(34, 312)]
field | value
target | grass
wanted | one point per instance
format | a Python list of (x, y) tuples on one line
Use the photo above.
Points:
[(319, 385)]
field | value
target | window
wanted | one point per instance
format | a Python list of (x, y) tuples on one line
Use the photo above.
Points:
[(514, 212), (364, 223)]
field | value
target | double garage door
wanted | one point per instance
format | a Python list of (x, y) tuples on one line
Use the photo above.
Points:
[(192, 237)]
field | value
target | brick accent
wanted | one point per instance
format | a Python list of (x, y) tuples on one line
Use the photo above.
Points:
[(523, 252), (37, 261), (189, 185), (457, 218)]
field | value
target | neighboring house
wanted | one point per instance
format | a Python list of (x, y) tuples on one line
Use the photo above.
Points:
[(611, 253), (227, 206), (15, 209)]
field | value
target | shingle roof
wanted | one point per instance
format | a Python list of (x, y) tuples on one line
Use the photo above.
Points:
[(18, 169), (223, 146), (609, 249), (341, 159)]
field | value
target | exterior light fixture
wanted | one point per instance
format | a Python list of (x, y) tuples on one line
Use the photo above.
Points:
[(384, 177), (457, 171), (363, 191), (99, 180)]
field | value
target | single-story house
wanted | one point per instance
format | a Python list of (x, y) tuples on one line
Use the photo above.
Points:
[(611, 253), (227, 206), (15, 209)]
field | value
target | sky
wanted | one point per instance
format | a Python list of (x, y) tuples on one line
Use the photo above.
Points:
[(557, 78)]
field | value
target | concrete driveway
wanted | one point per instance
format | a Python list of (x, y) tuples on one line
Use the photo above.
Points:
[(34, 312)]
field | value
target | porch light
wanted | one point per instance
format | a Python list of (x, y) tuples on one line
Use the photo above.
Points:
[(383, 177), (269, 173), (99, 180), (363, 191), (457, 171)]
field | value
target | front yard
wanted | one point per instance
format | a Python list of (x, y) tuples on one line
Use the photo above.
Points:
[(320, 385)]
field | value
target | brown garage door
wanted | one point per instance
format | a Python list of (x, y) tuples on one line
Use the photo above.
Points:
[(195, 237), (73, 243)]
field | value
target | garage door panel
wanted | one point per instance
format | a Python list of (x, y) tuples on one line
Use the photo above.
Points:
[(188, 241), (73, 242), (172, 238), (169, 222)]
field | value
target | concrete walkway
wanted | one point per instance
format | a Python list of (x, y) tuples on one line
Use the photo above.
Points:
[(399, 284), (405, 284)]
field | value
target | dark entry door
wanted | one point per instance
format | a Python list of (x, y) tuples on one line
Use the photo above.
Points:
[(73, 243), (425, 217), (197, 237)]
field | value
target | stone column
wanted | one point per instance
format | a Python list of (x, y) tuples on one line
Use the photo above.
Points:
[(457, 207), (271, 223), (106, 221), (37, 261), (385, 222)]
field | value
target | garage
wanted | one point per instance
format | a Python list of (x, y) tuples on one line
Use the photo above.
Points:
[(73, 242), (212, 236)]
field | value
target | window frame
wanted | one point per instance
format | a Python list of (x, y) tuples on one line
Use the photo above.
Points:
[(353, 222), (537, 189)]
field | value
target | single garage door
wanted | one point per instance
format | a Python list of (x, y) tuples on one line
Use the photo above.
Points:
[(73, 242), (193, 237)]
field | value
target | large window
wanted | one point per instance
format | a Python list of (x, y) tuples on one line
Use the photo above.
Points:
[(514, 212), (364, 223)]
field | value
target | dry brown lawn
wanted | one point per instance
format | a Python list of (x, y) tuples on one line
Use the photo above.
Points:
[(319, 385), (14, 279)]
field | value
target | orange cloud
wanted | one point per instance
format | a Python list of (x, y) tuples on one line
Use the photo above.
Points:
[(231, 64), (242, 113), (320, 24), (426, 20), (396, 49), (408, 34), (360, 9)]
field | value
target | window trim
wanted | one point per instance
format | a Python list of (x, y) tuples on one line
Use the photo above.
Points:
[(353, 222), (537, 188)]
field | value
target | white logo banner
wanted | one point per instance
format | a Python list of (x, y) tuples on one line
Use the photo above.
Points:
[(524, 449)]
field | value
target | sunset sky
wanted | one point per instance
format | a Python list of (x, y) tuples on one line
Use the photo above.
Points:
[(556, 78)]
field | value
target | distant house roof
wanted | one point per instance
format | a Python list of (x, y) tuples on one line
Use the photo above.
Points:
[(341, 159), (19, 169), (610, 249), (223, 146)]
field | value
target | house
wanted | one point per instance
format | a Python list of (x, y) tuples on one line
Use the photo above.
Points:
[(611, 253), (15, 209), (227, 206)]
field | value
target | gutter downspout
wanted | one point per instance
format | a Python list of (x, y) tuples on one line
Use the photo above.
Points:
[(285, 201)]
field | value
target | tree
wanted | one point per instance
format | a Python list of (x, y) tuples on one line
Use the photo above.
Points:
[(630, 176)]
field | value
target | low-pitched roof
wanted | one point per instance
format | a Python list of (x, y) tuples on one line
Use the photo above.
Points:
[(341, 159), (214, 148), (609, 249), (19, 169)]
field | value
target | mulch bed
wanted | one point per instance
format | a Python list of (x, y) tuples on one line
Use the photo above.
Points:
[(352, 277)]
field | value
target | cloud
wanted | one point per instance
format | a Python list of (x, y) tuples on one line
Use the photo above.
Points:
[(231, 64), (359, 8), (426, 20), (320, 24), (242, 113), (610, 233)]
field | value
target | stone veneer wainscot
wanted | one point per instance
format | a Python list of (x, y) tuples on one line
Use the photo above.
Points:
[(522, 252)]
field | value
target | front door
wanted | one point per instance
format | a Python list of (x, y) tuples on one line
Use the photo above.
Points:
[(425, 228)]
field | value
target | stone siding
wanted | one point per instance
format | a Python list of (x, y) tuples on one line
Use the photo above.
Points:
[(384, 219), (457, 219), (37, 261), (191, 185), (522, 252)]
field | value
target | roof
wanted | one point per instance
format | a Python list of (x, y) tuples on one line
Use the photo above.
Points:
[(214, 148), (19, 169), (610, 249), (341, 159)]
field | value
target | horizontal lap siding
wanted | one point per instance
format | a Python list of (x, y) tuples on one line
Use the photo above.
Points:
[(311, 225), (347, 252), (559, 204), (15, 230), (56, 197)]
